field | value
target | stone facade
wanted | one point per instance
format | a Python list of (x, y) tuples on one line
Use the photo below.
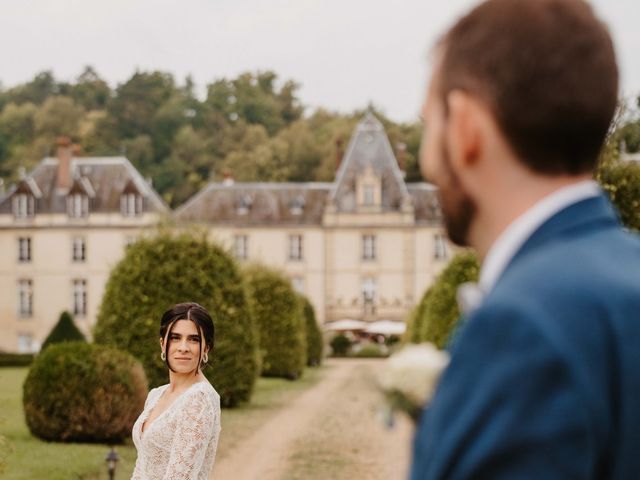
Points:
[(365, 246), (62, 229)]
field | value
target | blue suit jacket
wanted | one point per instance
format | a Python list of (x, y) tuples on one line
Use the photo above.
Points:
[(544, 380)]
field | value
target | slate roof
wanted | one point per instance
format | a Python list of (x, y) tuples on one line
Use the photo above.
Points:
[(253, 204), (103, 179), (369, 147), (425, 203), (257, 204)]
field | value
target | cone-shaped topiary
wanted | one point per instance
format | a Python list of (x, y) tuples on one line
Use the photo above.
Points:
[(79, 392), (167, 269), (64, 331), (278, 317), (313, 333), (440, 313), (415, 321)]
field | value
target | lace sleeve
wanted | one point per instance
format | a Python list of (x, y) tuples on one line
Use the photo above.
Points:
[(194, 429)]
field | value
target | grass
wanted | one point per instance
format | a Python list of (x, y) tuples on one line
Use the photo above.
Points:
[(29, 457)]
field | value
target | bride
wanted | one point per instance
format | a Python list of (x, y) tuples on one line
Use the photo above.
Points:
[(176, 435)]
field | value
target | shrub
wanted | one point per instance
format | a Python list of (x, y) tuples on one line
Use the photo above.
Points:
[(621, 181), (340, 345), (371, 350), (279, 321), (78, 392), (415, 321), (167, 269), (440, 312), (16, 359), (313, 333), (64, 331)]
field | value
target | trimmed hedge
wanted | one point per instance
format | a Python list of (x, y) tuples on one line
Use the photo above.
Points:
[(79, 392), (313, 333), (280, 323), (16, 359), (64, 331), (167, 269)]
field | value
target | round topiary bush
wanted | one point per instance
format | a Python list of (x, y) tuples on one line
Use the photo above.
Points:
[(279, 321), (64, 331), (313, 333), (158, 272), (340, 345), (79, 392)]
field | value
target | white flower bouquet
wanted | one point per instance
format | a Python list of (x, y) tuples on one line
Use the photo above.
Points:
[(409, 379)]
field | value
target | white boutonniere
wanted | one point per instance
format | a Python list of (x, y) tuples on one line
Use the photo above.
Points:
[(409, 379)]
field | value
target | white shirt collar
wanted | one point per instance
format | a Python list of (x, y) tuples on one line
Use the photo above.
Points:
[(516, 234)]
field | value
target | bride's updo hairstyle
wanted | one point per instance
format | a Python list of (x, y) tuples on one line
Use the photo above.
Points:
[(195, 313)]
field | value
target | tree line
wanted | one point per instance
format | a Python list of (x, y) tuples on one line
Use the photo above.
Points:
[(254, 127)]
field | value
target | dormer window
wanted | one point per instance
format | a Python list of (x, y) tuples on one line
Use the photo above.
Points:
[(244, 205), (368, 195), (78, 205), (297, 205), (24, 205), (368, 188), (131, 204)]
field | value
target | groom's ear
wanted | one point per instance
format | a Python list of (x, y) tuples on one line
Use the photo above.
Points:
[(465, 129)]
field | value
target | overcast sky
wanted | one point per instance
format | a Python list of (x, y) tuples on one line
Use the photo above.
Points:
[(344, 53)]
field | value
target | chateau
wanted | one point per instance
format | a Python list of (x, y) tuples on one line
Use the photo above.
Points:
[(365, 246)]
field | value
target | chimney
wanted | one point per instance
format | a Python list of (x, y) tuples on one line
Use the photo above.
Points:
[(401, 155), (64, 153), (339, 152), (227, 178)]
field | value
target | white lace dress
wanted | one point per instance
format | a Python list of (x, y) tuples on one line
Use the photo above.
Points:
[(181, 443)]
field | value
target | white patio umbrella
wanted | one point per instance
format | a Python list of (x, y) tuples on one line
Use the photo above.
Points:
[(346, 324), (386, 327)]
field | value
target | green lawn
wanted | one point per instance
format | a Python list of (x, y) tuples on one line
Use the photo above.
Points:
[(30, 458)]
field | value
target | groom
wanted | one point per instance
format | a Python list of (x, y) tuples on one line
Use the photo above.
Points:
[(544, 379)]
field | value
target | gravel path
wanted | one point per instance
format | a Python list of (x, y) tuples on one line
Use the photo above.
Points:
[(329, 431)]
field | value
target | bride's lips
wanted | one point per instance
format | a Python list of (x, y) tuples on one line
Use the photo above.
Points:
[(182, 358)]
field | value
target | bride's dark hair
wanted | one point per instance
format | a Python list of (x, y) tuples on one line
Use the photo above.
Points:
[(195, 313)]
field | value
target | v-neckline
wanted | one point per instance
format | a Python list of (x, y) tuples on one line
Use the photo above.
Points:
[(145, 425)]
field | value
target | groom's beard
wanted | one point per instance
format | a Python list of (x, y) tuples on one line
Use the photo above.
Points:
[(458, 207)]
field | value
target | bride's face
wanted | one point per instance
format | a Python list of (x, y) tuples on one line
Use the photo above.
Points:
[(183, 354)]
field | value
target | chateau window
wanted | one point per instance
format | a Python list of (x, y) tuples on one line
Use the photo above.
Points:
[(369, 295), (25, 298), (78, 205), (298, 284), (79, 249), (24, 249), (244, 205), (440, 246), (131, 204), (24, 205), (25, 343), (129, 240), (241, 247), (295, 247), (79, 298), (368, 247)]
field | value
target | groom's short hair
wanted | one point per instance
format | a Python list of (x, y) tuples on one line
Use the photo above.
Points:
[(546, 69)]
